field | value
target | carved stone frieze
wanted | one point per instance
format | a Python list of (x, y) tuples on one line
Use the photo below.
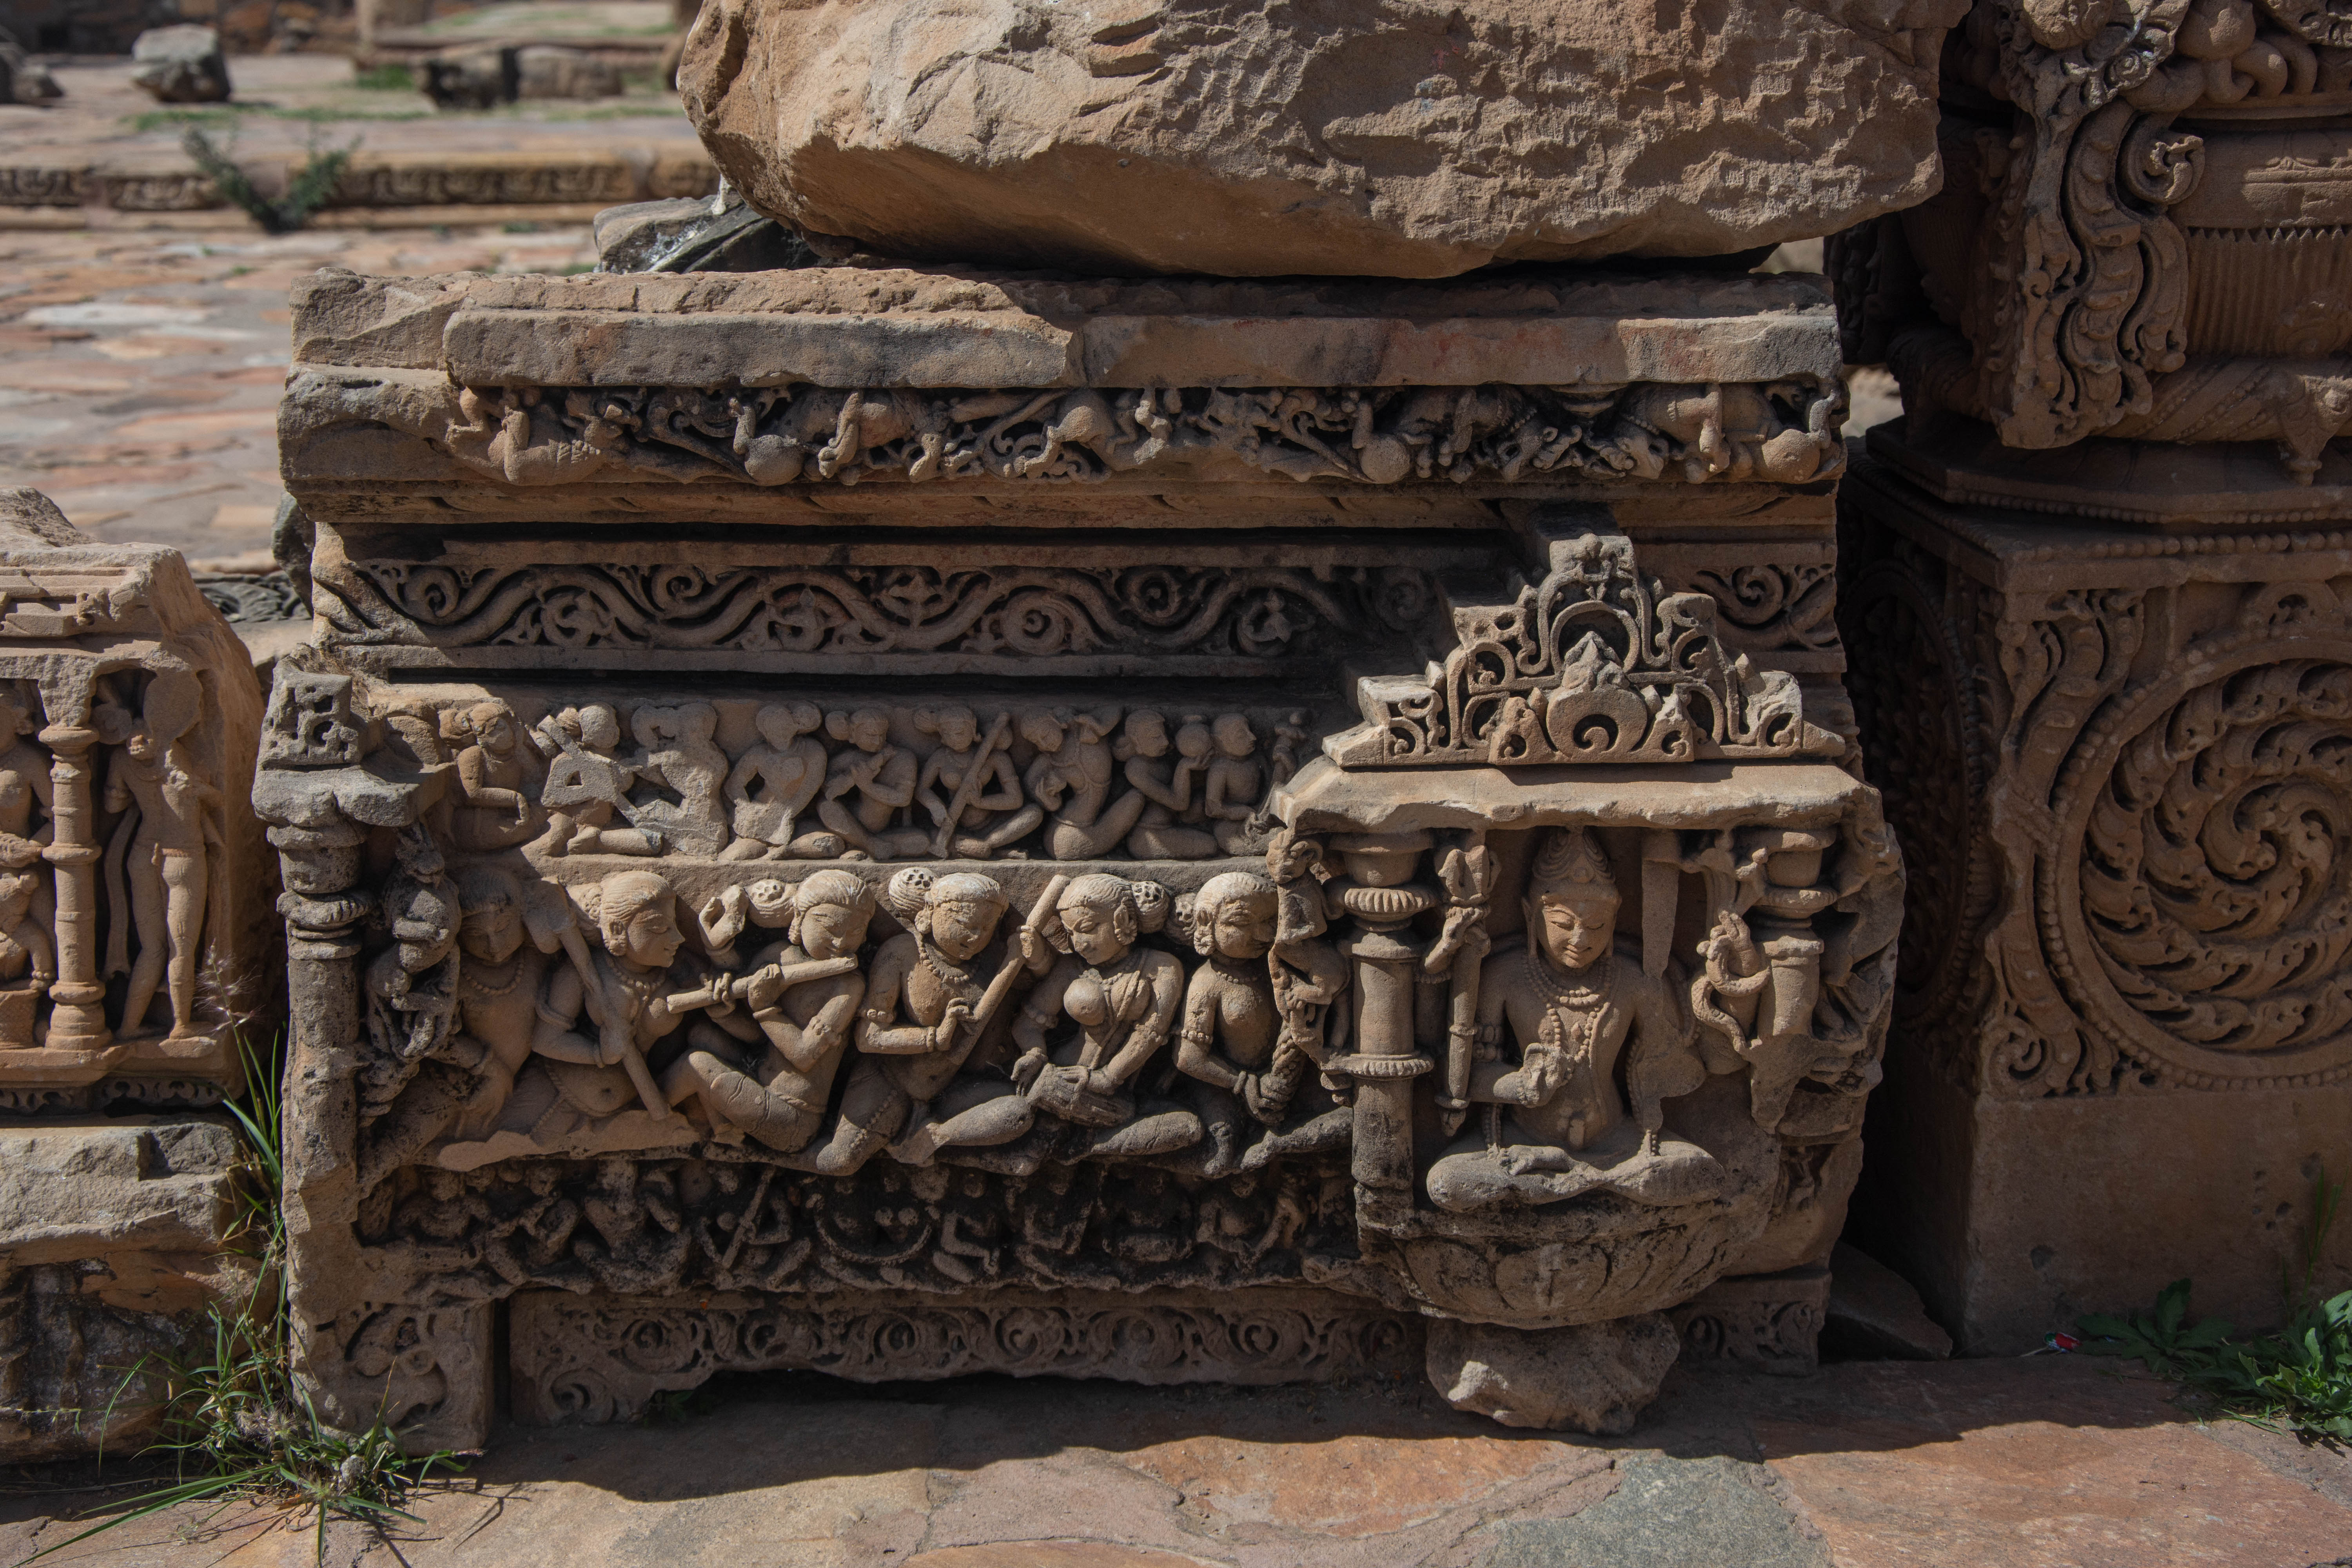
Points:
[(1768, 1323), (1779, 432), (954, 610), (601, 1359), (131, 952), (842, 899), (985, 384)]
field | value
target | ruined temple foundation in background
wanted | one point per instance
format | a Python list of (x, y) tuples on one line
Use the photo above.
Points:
[(905, 817), (2100, 572)]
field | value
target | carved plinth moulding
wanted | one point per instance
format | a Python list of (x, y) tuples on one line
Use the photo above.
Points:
[(136, 936), (2115, 762), (595, 1359), (2141, 240), (808, 385)]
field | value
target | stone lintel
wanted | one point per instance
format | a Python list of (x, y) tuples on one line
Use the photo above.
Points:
[(1324, 797), (860, 327)]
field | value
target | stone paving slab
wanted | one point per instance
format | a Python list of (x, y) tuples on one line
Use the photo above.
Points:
[(140, 372), (2041, 1463), (107, 145)]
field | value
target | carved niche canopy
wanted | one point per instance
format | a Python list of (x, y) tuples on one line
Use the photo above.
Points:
[(1596, 663)]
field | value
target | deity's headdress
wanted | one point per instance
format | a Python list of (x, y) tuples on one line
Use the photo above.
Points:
[(1571, 864)]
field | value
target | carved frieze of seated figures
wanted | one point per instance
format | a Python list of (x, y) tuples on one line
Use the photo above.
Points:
[(1074, 994)]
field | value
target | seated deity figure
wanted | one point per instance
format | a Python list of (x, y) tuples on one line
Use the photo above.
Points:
[(773, 784), (587, 784), (493, 781), (777, 1091), (677, 755), (25, 790), (1248, 1068), (917, 1026), (595, 1021), (499, 980), (871, 783), (993, 812), (1575, 1004), (1071, 779), (1123, 999)]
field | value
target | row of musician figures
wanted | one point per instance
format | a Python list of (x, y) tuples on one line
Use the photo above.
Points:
[(501, 1026), (1096, 784)]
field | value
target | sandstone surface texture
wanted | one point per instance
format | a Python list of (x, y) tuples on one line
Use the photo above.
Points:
[(112, 1244), (1401, 138)]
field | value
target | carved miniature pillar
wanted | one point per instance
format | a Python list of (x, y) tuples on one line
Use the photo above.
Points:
[(78, 1020), (1388, 994)]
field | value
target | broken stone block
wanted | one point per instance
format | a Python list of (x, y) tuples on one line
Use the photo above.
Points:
[(1875, 1312), (547, 71), (23, 80), (181, 65), (1593, 1378), (1399, 138), (138, 938), (112, 1238)]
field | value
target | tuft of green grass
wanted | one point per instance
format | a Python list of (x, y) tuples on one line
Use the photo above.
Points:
[(394, 77), (306, 193), (234, 1422), (2298, 1379)]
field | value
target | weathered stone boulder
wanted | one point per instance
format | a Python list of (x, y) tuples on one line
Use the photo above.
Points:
[(181, 65), (1399, 138)]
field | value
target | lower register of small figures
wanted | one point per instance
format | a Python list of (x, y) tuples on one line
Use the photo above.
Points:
[(1575, 1000)]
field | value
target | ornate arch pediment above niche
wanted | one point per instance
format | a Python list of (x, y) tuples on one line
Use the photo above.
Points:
[(1596, 663)]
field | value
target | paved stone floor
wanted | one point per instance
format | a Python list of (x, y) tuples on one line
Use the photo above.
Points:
[(140, 369), (2043, 1463), (284, 103)]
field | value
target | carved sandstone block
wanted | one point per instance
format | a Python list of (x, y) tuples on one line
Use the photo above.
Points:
[(870, 799), (1206, 136), (136, 934), (111, 1246), (2139, 238), (2124, 1010)]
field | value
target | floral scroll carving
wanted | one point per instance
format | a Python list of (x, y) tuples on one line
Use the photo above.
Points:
[(2169, 830), (1780, 432), (1033, 612)]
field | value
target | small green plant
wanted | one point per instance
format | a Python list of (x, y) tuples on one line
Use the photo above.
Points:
[(306, 193), (2299, 1378), (234, 1420), (393, 77)]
